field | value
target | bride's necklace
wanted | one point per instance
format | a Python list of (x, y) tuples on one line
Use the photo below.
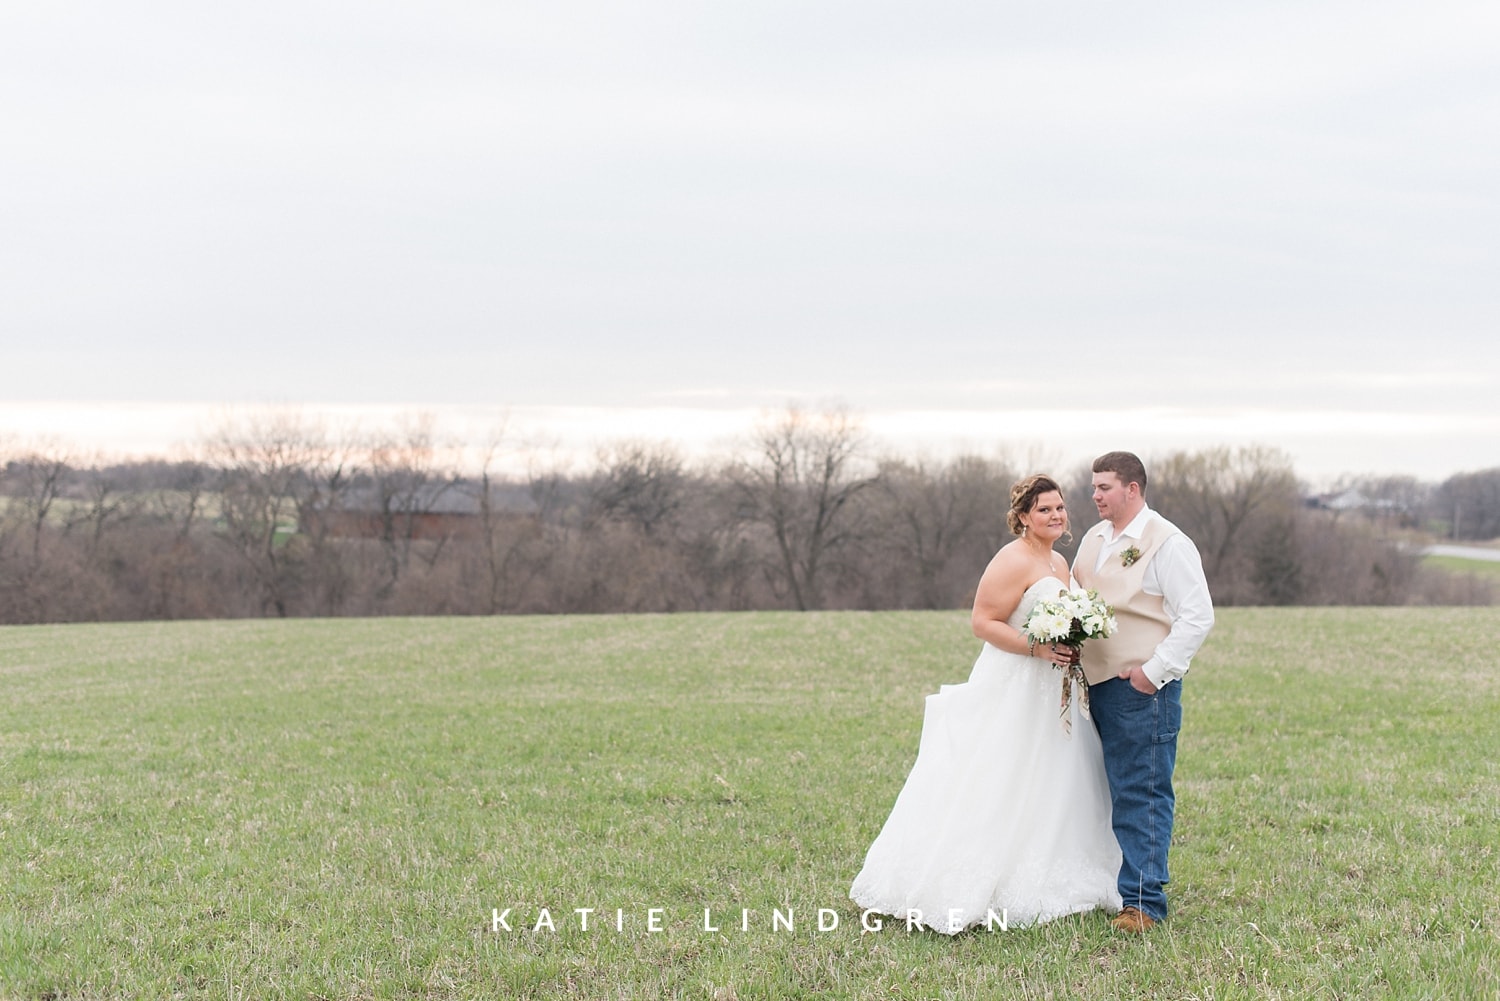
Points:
[(1044, 556)]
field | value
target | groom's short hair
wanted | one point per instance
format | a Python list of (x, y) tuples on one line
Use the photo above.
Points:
[(1126, 465)]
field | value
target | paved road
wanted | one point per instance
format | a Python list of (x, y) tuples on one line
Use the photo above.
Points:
[(1465, 552)]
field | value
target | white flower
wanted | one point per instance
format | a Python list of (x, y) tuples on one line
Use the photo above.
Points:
[(1047, 622), (1053, 619), (1062, 624), (1075, 604)]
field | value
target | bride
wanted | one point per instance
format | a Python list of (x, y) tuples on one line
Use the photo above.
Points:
[(1006, 809)]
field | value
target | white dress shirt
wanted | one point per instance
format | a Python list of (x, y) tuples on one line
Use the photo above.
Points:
[(1175, 574)]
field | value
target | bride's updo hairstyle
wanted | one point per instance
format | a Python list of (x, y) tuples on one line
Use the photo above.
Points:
[(1023, 498)]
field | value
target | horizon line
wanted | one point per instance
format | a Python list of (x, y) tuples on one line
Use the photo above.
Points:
[(1322, 444)]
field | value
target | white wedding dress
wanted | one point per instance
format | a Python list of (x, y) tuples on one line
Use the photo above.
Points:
[(1003, 810)]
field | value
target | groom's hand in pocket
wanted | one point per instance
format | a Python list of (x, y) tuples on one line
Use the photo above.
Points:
[(1138, 680)]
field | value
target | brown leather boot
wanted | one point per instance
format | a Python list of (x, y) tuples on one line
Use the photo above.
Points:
[(1132, 921)]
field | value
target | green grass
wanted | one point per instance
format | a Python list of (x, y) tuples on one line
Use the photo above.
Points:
[(332, 809), (1458, 564)]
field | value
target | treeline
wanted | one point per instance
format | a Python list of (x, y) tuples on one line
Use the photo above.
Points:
[(276, 517)]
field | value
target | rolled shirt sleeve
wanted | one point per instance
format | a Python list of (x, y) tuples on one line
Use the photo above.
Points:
[(1176, 574)]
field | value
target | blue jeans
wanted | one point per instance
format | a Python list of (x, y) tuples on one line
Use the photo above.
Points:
[(1139, 736)]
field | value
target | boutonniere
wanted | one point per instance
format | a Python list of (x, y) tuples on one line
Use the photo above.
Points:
[(1129, 556)]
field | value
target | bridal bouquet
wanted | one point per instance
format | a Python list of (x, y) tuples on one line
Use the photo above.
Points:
[(1070, 618)]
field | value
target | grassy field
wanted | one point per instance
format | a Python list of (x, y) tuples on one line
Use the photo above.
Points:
[(335, 809), (1458, 564)]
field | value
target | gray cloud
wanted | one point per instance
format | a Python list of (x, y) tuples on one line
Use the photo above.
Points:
[(1276, 206)]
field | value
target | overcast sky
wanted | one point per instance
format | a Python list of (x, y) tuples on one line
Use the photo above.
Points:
[(1171, 222)]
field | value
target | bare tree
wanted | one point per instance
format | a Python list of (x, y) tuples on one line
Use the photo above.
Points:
[(1347, 562), (174, 569), (1391, 501), (941, 524), (32, 577), (104, 503), (183, 506), (288, 519), (1217, 496), (263, 462), (1470, 504), (321, 491), (799, 485), (513, 553), (641, 483), (34, 482), (409, 485)]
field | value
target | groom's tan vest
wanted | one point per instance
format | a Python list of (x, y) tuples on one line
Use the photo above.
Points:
[(1141, 617)]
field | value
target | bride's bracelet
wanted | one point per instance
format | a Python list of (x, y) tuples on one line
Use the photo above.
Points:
[(1031, 647)]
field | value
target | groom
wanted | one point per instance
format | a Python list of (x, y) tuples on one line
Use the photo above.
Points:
[(1152, 576)]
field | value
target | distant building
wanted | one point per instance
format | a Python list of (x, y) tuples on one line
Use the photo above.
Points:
[(433, 511), (1340, 501)]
